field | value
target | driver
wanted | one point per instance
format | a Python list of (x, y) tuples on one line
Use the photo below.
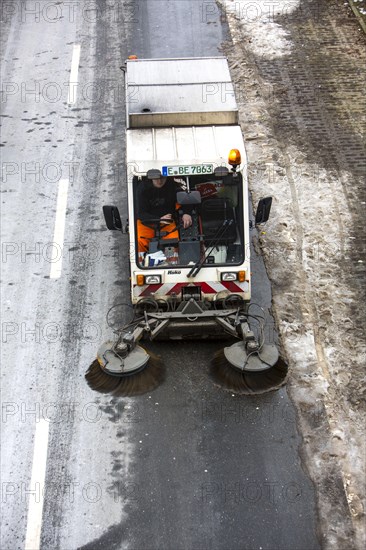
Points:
[(156, 199)]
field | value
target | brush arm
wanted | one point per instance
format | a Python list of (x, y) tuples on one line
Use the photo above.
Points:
[(248, 336), (154, 323), (128, 341)]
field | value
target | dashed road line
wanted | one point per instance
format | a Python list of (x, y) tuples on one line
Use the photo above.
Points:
[(58, 236), (35, 508)]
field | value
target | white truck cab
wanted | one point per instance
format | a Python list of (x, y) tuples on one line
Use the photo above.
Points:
[(182, 123)]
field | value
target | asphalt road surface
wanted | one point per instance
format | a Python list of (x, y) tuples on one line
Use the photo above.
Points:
[(188, 466)]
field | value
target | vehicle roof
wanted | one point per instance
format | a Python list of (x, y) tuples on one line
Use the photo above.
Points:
[(179, 92), (156, 147)]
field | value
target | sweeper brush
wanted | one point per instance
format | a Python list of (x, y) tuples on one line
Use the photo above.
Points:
[(245, 372), (120, 372)]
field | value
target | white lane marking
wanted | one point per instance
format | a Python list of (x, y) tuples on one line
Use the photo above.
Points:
[(73, 83), (58, 235), (35, 505)]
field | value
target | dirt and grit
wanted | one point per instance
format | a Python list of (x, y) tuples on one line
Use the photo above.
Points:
[(299, 73)]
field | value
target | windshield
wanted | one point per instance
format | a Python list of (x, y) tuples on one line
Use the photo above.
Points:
[(189, 221)]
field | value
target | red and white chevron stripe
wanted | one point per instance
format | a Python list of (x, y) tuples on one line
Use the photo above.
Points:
[(167, 289)]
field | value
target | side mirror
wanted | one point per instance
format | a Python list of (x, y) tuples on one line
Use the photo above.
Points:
[(112, 217), (194, 197), (263, 210)]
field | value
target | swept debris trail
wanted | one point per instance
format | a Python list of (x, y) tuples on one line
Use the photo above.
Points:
[(299, 77)]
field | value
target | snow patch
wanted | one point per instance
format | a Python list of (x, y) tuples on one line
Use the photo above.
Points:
[(256, 19)]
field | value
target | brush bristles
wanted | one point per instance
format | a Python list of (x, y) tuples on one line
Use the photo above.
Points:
[(142, 382), (247, 383)]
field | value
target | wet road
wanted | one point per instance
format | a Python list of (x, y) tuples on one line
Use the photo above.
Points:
[(188, 466)]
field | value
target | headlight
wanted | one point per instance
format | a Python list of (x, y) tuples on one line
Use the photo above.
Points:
[(229, 276), (152, 279)]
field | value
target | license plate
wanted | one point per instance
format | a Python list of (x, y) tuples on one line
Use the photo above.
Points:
[(189, 170)]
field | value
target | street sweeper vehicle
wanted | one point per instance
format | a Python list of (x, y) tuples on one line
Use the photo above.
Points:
[(189, 267)]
